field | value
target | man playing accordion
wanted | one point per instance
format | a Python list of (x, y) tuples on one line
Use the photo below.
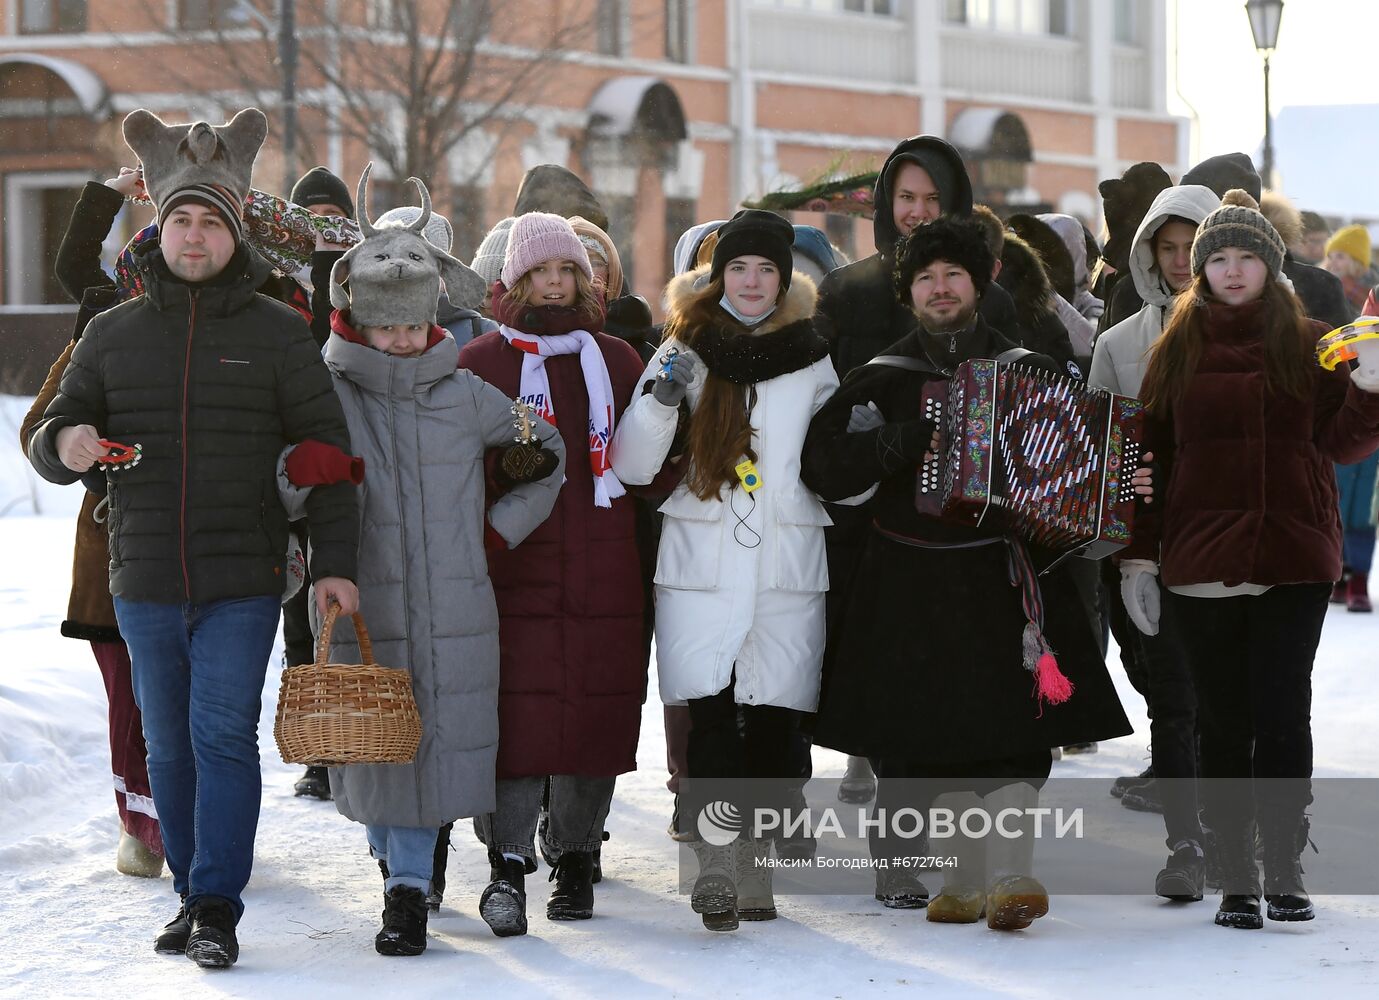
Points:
[(941, 667)]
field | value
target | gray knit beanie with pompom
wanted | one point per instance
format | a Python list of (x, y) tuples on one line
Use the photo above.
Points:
[(1238, 223)]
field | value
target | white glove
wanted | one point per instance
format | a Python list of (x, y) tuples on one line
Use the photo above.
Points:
[(865, 418), (1139, 590), (1366, 380)]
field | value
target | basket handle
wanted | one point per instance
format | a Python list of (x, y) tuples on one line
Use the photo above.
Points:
[(361, 633)]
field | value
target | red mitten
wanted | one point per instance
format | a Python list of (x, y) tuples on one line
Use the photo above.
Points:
[(315, 463)]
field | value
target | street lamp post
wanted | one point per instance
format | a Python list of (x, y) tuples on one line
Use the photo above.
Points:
[(1265, 16)]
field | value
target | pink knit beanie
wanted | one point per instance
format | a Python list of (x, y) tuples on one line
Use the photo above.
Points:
[(538, 237)]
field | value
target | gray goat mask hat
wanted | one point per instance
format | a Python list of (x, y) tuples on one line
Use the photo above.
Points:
[(394, 274)]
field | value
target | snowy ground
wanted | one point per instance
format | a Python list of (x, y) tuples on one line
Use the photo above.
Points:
[(72, 927)]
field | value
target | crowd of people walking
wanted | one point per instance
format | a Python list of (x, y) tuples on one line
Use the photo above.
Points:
[(323, 407)]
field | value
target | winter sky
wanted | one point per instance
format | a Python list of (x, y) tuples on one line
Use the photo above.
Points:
[(1326, 54)]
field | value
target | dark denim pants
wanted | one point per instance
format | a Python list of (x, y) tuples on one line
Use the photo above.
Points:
[(198, 673)]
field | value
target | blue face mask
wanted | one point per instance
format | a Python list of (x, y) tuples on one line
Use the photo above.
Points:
[(747, 321)]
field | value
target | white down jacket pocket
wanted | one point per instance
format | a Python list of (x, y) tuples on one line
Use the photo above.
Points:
[(689, 556), (800, 563)]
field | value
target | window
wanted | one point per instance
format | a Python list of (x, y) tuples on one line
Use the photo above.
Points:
[(681, 216), (468, 209), (1021, 17), (842, 233), (39, 206), (678, 17), (610, 27), (50, 17), (203, 15), (1126, 22)]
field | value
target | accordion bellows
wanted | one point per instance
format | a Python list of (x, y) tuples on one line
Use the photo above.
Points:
[(1035, 453)]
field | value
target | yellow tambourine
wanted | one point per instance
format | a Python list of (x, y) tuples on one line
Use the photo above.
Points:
[(1340, 344)]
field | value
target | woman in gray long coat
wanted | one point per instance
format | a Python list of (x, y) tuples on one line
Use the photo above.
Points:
[(423, 429)]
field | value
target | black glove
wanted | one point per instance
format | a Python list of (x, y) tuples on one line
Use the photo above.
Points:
[(524, 463), (904, 443)]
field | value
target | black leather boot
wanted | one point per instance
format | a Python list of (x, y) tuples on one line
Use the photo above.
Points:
[(1240, 903), (1283, 890)]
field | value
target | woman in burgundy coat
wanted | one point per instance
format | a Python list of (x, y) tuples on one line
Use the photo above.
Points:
[(573, 663), (1248, 540)]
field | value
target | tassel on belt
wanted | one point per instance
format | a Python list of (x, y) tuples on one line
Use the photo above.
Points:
[(1051, 685)]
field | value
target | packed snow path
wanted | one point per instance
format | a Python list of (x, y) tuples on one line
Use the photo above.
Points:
[(72, 927)]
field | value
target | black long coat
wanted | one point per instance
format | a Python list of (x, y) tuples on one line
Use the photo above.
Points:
[(925, 658)]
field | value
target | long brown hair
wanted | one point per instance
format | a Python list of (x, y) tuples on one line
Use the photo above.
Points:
[(720, 433), (1285, 333)]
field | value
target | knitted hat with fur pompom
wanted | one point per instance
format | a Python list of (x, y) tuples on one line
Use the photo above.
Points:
[(1238, 223)]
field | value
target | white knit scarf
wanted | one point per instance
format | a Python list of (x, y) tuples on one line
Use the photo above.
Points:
[(535, 391)]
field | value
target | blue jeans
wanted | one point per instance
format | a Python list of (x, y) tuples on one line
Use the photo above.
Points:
[(198, 674), (410, 852)]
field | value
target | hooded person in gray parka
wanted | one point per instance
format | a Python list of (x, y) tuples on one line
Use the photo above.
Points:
[(424, 429)]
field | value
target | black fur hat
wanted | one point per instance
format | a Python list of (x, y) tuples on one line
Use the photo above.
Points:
[(1125, 201), (1052, 251), (956, 239)]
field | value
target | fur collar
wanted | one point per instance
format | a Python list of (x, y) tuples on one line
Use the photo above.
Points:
[(799, 302), (784, 342)]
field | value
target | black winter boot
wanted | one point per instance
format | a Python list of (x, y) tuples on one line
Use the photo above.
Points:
[(503, 904), (1143, 798), (598, 860), (438, 862), (314, 784), (1239, 877), (573, 895), (172, 939), (1126, 782), (212, 943), (1182, 878), (899, 888), (404, 922), (1283, 890)]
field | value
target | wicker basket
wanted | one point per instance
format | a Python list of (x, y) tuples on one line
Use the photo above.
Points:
[(334, 713)]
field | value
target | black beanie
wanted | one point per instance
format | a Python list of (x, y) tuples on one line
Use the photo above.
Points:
[(763, 234), (955, 239), (1226, 172), (318, 186)]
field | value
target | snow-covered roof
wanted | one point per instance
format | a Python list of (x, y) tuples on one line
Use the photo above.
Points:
[(1325, 158), (90, 90)]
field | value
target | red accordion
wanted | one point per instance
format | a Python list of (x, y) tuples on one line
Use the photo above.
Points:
[(1035, 453)]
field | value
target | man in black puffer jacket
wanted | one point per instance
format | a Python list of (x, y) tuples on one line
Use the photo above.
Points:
[(208, 381)]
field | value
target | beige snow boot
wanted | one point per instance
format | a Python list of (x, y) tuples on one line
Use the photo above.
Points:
[(1014, 898), (133, 858), (714, 895), (963, 897), (754, 898)]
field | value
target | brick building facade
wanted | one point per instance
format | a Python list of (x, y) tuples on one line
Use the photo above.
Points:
[(673, 110)]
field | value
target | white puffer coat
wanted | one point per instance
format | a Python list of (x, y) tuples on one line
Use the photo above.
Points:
[(740, 581), (1119, 362)]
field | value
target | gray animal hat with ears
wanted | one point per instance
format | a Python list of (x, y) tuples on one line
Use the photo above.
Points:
[(394, 275), (208, 164)]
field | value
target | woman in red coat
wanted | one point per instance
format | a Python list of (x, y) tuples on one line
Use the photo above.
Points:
[(1248, 540), (573, 667)]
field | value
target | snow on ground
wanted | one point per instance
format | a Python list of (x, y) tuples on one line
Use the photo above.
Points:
[(72, 927)]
